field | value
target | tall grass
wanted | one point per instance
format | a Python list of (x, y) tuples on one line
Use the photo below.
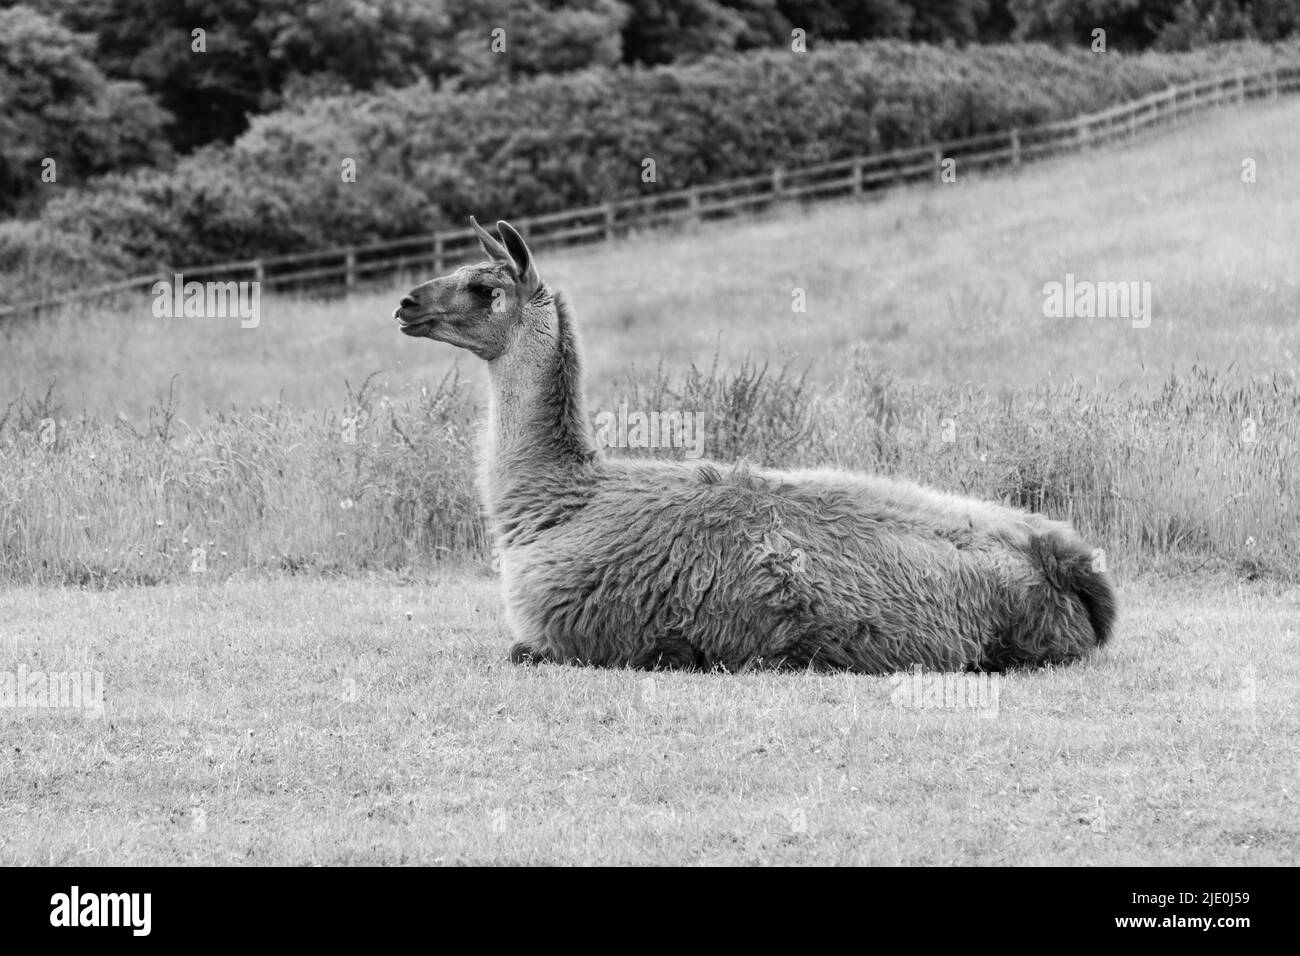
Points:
[(1197, 473), (375, 484), (1170, 477)]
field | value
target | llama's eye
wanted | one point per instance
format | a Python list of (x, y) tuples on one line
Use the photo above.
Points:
[(481, 290)]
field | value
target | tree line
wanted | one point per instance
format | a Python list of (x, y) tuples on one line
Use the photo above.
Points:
[(259, 54)]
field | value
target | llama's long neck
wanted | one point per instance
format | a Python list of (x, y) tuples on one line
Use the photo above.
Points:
[(538, 433)]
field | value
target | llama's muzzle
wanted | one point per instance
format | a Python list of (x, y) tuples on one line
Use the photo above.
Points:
[(409, 322)]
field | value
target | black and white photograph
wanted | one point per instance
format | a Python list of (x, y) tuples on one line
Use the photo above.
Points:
[(650, 433)]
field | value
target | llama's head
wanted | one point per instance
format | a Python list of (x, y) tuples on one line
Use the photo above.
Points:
[(481, 307)]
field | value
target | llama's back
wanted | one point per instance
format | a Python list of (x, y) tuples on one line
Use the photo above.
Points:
[(717, 565), (1055, 552)]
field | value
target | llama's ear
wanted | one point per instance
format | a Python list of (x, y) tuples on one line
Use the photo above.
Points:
[(491, 247), (520, 257)]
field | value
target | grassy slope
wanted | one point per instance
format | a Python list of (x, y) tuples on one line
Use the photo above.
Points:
[(942, 283), (230, 698)]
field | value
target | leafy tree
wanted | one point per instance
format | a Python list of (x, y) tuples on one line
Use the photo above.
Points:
[(1275, 19), (538, 37), (254, 55), (1201, 22), (55, 105), (661, 31), (765, 24), (998, 23), (936, 21), (850, 19), (1129, 24), (250, 50)]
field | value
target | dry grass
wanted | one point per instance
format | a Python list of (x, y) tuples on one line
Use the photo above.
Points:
[(97, 503)]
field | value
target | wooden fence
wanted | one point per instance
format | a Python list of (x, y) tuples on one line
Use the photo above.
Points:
[(344, 267)]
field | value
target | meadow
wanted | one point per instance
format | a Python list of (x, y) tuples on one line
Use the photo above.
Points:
[(375, 720), (268, 542)]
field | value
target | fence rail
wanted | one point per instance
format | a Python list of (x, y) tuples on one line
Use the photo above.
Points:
[(342, 267)]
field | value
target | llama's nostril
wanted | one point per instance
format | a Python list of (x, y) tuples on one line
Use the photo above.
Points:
[(407, 303)]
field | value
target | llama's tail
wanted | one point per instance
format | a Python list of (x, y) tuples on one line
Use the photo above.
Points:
[(1074, 568)]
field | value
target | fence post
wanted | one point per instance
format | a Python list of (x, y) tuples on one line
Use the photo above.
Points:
[(938, 165), (1273, 90), (693, 203), (1015, 147), (778, 185), (437, 253), (608, 210), (857, 177), (350, 269), (259, 273), (1241, 88), (1083, 135)]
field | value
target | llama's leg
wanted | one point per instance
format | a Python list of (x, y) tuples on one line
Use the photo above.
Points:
[(526, 653), (667, 654)]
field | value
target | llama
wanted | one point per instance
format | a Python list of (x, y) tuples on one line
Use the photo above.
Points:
[(633, 563)]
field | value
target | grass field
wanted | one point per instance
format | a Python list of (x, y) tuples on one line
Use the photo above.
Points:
[(296, 703), (375, 720)]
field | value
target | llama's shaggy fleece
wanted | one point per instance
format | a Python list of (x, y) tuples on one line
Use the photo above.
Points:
[(620, 562)]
